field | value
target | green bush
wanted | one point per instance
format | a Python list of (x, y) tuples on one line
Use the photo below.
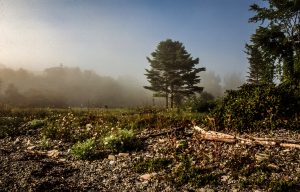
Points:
[(85, 150), (37, 123), (122, 140), (45, 143), (202, 103), (10, 126), (259, 107), (67, 128)]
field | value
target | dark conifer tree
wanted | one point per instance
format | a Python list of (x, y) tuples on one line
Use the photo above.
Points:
[(173, 73), (278, 36)]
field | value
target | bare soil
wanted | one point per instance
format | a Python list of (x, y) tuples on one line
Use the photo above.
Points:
[(26, 166)]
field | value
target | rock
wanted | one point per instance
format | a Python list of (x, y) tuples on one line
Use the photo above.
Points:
[(112, 162), (225, 178), (123, 154), (273, 166), (205, 190), (209, 190), (111, 157), (53, 153), (88, 126), (31, 147), (147, 176), (17, 141), (28, 142), (261, 157)]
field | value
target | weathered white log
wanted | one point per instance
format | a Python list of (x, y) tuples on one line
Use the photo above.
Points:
[(222, 137)]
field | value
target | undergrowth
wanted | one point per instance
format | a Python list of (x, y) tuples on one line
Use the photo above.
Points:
[(259, 107)]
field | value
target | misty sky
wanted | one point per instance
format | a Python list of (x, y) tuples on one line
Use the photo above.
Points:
[(113, 37)]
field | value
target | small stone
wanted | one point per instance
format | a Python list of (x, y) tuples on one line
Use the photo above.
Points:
[(62, 160), (261, 157), (31, 147), (201, 190), (112, 162), (88, 127), (28, 142), (273, 166), (209, 190), (123, 154), (147, 176), (17, 141), (111, 157), (225, 178), (53, 153)]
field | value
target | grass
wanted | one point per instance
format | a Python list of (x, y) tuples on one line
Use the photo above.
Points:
[(85, 150), (152, 165), (94, 133)]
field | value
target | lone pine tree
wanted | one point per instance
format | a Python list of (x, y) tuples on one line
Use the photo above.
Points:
[(173, 73)]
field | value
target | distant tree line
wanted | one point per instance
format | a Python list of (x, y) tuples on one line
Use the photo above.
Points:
[(68, 87)]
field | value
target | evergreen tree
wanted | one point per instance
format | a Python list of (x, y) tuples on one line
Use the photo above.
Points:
[(278, 35), (173, 73), (261, 69)]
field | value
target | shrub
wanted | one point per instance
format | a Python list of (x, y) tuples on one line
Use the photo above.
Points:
[(67, 128), (85, 150), (45, 143), (10, 126), (187, 173), (151, 165), (259, 106), (122, 140), (202, 103), (37, 123)]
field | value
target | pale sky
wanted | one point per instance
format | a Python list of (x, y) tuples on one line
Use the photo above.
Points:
[(114, 37)]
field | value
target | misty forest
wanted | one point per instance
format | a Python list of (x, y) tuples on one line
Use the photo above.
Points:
[(185, 129)]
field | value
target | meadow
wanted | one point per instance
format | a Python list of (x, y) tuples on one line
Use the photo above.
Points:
[(138, 149)]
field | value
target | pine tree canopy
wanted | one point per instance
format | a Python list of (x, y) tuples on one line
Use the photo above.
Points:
[(277, 39), (173, 73)]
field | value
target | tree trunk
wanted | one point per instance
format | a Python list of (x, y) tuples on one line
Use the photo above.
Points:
[(172, 100), (172, 97), (167, 100)]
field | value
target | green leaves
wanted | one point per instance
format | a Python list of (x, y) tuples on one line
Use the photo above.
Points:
[(256, 107), (173, 73), (277, 39)]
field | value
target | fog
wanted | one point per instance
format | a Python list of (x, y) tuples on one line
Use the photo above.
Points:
[(70, 86), (217, 86), (63, 86)]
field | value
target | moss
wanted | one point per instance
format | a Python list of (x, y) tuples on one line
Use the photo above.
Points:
[(152, 165), (186, 173), (37, 123), (277, 186), (84, 150)]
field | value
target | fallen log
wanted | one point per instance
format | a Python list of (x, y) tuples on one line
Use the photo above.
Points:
[(222, 137)]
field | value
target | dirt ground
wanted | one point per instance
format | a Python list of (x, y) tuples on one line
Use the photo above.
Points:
[(25, 166)]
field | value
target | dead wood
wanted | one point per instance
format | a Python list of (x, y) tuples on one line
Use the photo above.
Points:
[(222, 137)]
